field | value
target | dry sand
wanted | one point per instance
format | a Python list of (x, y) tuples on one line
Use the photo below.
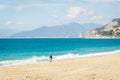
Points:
[(94, 68)]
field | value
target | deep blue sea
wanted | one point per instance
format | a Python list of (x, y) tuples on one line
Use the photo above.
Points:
[(29, 51)]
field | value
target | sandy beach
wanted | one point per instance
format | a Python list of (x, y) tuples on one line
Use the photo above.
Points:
[(93, 68)]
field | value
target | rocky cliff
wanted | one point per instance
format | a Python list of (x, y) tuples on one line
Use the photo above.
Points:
[(111, 30)]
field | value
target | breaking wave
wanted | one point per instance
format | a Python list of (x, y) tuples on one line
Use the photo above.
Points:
[(40, 59)]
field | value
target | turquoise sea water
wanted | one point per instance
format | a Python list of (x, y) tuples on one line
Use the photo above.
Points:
[(28, 51)]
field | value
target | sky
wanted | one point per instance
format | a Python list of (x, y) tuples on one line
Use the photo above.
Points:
[(31, 14)]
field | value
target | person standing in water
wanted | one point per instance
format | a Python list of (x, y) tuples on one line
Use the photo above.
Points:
[(50, 57)]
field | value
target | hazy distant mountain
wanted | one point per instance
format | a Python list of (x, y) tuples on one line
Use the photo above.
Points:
[(5, 33), (111, 30), (59, 31)]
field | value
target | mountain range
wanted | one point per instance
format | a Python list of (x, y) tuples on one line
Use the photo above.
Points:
[(70, 30), (6, 33)]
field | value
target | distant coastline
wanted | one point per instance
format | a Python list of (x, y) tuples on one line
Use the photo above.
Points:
[(111, 30)]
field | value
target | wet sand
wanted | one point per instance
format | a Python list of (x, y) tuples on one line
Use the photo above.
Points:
[(93, 68)]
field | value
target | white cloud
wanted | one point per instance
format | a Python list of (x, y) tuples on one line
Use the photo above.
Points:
[(106, 1), (9, 23), (2, 7), (74, 12), (20, 23), (55, 16), (78, 12), (20, 7), (97, 18)]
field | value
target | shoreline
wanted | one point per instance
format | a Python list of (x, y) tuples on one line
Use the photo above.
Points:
[(92, 68), (35, 59)]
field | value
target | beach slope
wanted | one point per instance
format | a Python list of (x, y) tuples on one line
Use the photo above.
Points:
[(93, 68)]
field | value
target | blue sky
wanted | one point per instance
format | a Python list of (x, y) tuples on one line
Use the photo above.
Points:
[(31, 14)]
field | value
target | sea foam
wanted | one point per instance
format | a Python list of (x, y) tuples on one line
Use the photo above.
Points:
[(41, 59)]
